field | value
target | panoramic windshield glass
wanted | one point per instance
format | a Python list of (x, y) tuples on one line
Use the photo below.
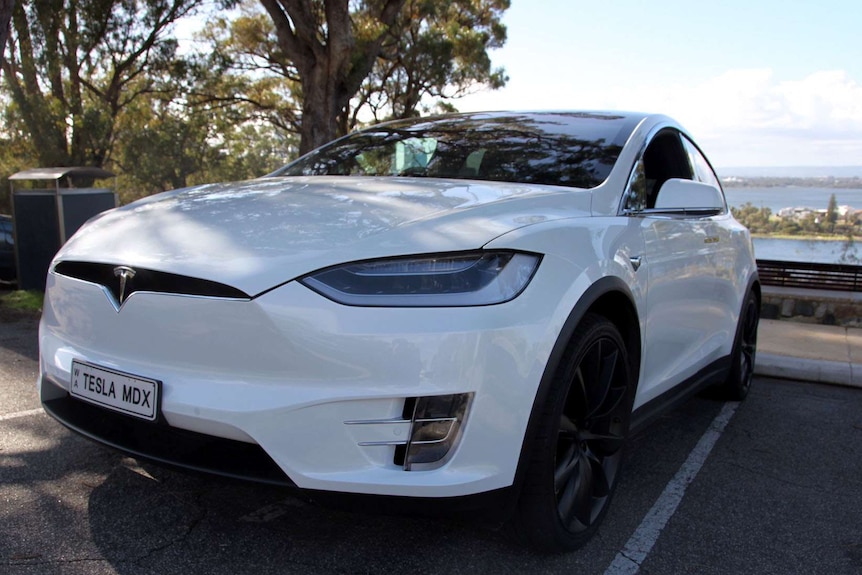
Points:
[(565, 149)]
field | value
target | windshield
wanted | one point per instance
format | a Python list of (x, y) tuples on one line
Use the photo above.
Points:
[(565, 149)]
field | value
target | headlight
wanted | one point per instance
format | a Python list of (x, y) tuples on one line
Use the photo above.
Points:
[(447, 280)]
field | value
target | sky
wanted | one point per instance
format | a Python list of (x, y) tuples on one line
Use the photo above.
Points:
[(756, 82)]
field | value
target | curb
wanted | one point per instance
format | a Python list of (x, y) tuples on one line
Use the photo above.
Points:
[(817, 371)]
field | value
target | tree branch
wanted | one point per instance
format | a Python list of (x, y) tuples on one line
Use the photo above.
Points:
[(301, 51)]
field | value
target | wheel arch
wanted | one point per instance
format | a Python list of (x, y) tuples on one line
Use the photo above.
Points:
[(618, 307), (609, 297), (754, 285)]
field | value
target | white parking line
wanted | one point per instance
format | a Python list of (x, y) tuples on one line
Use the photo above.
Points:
[(629, 560), (18, 414)]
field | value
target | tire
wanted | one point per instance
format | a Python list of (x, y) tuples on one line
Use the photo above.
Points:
[(576, 456), (738, 382)]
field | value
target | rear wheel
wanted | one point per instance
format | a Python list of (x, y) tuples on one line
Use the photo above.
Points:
[(577, 453), (744, 351)]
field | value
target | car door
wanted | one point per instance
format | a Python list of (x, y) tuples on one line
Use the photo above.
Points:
[(688, 307)]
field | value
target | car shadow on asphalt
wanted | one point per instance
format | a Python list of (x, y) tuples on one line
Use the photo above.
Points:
[(73, 501), (19, 332)]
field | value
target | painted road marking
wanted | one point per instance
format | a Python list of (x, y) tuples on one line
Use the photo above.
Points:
[(18, 414), (629, 560)]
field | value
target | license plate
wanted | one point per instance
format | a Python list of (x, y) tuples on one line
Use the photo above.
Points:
[(123, 392)]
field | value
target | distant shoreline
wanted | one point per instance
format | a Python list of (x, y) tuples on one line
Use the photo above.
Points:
[(807, 237), (781, 182), (791, 172)]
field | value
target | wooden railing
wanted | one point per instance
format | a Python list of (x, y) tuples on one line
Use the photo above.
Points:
[(808, 275)]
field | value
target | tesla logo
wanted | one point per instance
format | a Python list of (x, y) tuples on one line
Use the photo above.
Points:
[(125, 274)]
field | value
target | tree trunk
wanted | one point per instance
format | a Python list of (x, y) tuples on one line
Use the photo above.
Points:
[(322, 104), (331, 67), (6, 7)]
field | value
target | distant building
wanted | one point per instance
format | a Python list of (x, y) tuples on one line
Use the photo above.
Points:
[(846, 213), (797, 214)]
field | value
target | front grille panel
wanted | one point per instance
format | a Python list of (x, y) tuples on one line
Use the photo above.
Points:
[(146, 280)]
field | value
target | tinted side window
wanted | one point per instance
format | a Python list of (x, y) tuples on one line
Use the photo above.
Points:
[(664, 158)]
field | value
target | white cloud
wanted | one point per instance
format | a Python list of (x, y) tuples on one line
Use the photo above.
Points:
[(752, 119), (749, 99), (748, 117)]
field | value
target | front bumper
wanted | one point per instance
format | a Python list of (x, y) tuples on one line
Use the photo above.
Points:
[(286, 376), (165, 444)]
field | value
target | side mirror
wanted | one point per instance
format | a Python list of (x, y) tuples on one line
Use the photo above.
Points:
[(686, 195)]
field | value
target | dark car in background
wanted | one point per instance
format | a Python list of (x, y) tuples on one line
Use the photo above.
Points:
[(7, 250)]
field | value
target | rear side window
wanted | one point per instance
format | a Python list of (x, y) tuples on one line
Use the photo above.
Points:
[(702, 170)]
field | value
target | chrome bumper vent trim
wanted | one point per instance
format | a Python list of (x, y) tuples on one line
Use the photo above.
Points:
[(404, 422), (384, 422)]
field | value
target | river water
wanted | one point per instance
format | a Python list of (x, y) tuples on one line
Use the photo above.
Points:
[(792, 197), (821, 251)]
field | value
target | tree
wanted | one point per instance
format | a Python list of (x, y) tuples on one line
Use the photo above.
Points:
[(245, 72), (331, 59), (99, 82), (437, 50), (169, 142), (331, 56), (811, 223), (832, 212), (758, 220), (73, 66)]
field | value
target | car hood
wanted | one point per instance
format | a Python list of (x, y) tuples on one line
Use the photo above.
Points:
[(257, 234)]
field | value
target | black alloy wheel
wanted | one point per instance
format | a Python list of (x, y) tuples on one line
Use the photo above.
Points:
[(577, 454), (744, 353)]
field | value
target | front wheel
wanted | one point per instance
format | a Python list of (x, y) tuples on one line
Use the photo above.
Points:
[(577, 453)]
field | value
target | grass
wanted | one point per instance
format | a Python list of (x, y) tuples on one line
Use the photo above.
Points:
[(21, 300)]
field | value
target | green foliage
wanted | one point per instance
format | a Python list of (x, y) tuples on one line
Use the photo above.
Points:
[(789, 227), (244, 71), (832, 213), (438, 51), (811, 224), (375, 60), (71, 68), (22, 300), (100, 82), (171, 143), (126, 101), (761, 221), (757, 220), (16, 154)]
